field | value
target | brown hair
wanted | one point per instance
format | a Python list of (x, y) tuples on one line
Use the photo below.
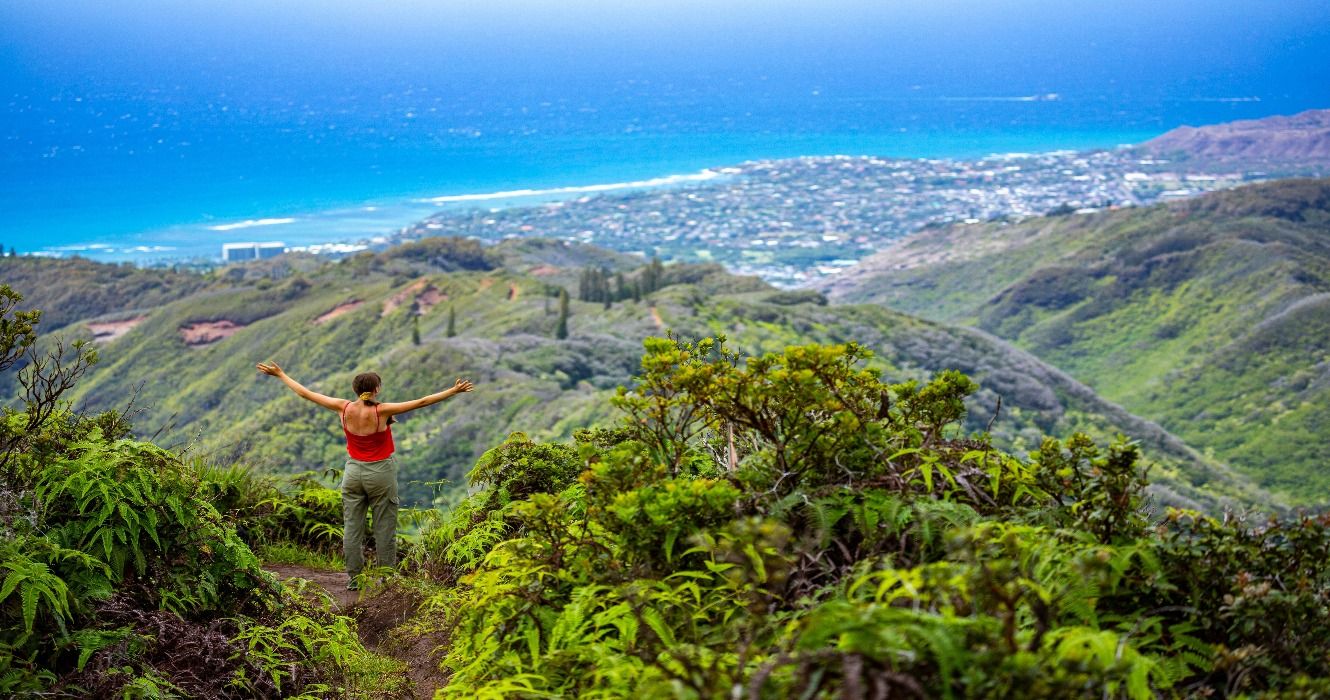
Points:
[(366, 383)]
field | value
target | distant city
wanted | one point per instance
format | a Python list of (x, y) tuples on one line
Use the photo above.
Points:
[(242, 252), (794, 221)]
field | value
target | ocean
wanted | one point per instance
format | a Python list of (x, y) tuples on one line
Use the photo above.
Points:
[(162, 133)]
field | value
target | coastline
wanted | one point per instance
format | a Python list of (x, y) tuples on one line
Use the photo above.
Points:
[(367, 224), (351, 223)]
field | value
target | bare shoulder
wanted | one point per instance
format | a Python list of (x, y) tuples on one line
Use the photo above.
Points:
[(393, 409), (330, 403)]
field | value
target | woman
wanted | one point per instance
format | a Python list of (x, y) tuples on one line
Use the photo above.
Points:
[(370, 478)]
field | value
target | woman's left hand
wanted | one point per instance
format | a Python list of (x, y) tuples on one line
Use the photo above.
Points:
[(270, 368)]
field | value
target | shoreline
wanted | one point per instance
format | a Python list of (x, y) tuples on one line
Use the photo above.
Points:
[(373, 222)]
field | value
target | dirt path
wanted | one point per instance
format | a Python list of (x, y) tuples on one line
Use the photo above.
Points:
[(377, 616), (334, 582)]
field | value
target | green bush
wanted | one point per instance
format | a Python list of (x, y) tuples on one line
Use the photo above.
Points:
[(792, 526)]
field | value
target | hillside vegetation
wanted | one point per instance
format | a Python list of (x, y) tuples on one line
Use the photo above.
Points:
[(1210, 316), (73, 289), (122, 573), (187, 366), (785, 524)]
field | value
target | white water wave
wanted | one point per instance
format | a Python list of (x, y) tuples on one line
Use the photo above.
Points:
[(578, 189), (251, 223)]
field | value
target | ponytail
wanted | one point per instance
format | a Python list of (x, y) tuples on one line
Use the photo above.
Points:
[(365, 385)]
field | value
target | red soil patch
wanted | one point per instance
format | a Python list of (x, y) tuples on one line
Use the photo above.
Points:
[(486, 283), (395, 301), (425, 295), (544, 270), (107, 331), (344, 308), (655, 316), (429, 299), (208, 332)]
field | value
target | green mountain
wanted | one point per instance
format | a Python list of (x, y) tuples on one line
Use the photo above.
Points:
[(186, 366), (1210, 316)]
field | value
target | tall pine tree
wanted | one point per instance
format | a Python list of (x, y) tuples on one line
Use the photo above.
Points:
[(561, 330), (452, 321)]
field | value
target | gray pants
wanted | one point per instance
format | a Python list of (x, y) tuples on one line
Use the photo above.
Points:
[(372, 486)]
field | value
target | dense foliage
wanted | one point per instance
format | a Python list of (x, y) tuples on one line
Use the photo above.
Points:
[(120, 577), (793, 526)]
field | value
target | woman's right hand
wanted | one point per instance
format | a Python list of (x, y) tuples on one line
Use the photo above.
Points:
[(462, 386), (270, 368)]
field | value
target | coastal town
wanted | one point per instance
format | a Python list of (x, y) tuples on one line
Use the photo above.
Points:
[(794, 221)]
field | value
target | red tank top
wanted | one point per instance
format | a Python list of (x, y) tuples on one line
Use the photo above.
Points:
[(368, 448)]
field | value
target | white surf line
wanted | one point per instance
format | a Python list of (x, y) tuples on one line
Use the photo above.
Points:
[(577, 189), (251, 223)]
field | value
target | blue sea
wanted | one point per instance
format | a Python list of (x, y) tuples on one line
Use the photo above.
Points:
[(162, 130)]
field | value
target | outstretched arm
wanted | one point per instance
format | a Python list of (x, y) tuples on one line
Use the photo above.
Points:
[(328, 402), (391, 409)]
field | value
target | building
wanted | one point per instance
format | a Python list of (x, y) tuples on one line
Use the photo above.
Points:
[(238, 252), (269, 250)]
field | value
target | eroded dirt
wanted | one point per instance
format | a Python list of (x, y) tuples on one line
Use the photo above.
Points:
[(339, 310), (106, 331), (425, 296), (208, 332)]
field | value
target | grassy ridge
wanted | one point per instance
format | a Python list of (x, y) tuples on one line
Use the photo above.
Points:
[(1208, 316), (210, 399), (73, 289)]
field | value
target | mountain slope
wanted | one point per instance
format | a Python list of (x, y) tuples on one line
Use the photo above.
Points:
[(1302, 138), (188, 365), (1211, 316)]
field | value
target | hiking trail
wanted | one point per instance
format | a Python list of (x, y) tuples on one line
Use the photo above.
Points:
[(377, 615)]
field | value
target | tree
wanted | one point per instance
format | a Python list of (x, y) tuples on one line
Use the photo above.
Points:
[(46, 375), (415, 330), (17, 333), (452, 321), (561, 329), (655, 275), (13, 253)]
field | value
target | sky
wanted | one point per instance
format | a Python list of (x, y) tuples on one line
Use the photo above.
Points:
[(947, 45)]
